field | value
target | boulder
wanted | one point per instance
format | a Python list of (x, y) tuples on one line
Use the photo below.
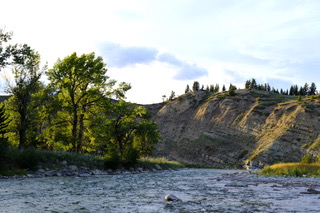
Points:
[(172, 197), (73, 168), (50, 173), (41, 171), (158, 167), (64, 163)]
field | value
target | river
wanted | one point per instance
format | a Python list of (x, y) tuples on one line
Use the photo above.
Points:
[(201, 190)]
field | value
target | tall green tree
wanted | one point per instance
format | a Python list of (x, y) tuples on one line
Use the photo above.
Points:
[(27, 74), (81, 82), (126, 128)]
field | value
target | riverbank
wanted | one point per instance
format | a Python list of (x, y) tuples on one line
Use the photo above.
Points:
[(75, 171), (42, 163)]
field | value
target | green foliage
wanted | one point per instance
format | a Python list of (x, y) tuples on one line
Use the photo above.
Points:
[(4, 152), (146, 136), (172, 96), (112, 159), (307, 158), (81, 85), (130, 156), (28, 159), (232, 90), (163, 162), (26, 76), (299, 98), (196, 86), (4, 120), (124, 126)]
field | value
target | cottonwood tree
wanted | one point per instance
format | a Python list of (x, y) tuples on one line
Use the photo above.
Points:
[(80, 82), (26, 83), (16, 54), (125, 129)]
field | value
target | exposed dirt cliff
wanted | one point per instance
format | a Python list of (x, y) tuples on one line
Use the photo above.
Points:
[(227, 131)]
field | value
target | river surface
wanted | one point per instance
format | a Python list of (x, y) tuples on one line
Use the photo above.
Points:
[(201, 190)]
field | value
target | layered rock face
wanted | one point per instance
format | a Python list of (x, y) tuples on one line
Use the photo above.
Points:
[(229, 131)]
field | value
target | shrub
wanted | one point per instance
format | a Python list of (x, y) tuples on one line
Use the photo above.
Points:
[(307, 158), (112, 159), (130, 157), (4, 152), (28, 159)]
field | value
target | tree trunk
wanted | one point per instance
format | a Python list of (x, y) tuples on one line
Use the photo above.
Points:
[(81, 131), (74, 130)]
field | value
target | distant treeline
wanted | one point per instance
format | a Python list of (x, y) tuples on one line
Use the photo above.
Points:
[(252, 84)]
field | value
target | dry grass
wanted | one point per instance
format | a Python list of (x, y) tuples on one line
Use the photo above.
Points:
[(292, 169)]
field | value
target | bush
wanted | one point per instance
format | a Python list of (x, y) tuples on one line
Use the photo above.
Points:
[(28, 159), (307, 158), (4, 152), (112, 159), (130, 157)]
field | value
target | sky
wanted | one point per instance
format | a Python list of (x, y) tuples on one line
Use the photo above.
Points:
[(159, 46)]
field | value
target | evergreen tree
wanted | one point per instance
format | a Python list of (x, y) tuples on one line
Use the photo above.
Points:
[(306, 89), (4, 121), (196, 86), (312, 89), (187, 89), (211, 88), (223, 88), (216, 88), (253, 84), (232, 90), (172, 96), (207, 89), (247, 84)]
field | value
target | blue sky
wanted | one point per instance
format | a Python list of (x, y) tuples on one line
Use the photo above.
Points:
[(160, 46)]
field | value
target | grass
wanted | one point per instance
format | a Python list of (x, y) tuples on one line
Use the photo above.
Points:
[(149, 163), (292, 169), (31, 159)]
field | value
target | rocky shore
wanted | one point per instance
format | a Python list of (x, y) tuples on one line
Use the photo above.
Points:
[(66, 170)]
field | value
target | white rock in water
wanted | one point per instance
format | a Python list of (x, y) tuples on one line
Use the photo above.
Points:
[(172, 197)]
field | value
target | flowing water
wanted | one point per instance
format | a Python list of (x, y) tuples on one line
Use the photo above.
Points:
[(201, 190)]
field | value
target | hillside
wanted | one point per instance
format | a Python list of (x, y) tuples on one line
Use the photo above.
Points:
[(228, 131)]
